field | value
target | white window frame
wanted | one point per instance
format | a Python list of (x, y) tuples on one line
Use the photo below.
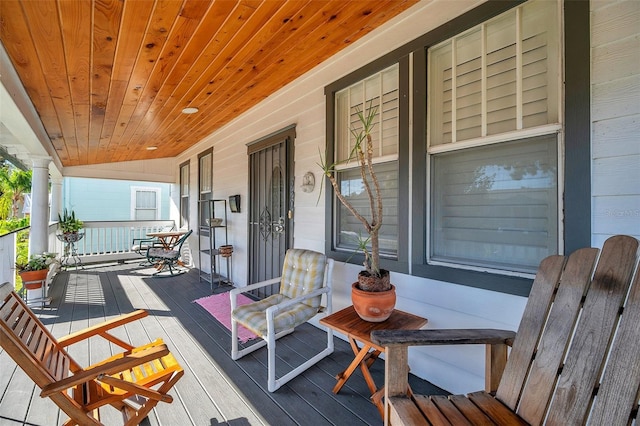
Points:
[(134, 196), (486, 140)]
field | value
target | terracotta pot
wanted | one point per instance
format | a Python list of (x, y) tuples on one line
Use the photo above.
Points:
[(35, 277), (373, 306)]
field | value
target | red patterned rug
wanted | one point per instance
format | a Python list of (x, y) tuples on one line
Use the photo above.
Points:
[(219, 306)]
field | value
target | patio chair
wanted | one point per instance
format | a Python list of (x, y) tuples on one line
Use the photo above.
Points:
[(574, 359), (133, 382), (306, 276), (167, 259), (142, 245)]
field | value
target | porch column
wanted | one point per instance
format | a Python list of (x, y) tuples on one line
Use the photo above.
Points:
[(38, 235), (56, 199)]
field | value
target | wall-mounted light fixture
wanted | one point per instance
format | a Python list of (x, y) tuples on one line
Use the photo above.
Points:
[(308, 182)]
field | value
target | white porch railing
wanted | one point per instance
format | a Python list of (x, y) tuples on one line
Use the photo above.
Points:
[(107, 241)]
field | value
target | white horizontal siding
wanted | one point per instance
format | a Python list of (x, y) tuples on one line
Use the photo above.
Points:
[(615, 114)]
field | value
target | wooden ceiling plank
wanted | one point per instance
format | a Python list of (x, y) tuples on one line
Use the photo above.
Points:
[(133, 27), (107, 15), (305, 24), (176, 101), (162, 78), (285, 20), (75, 18), (178, 40), (20, 48), (299, 60), (44, 27)]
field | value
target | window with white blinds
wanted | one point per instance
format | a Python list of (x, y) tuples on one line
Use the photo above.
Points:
[(145, 202), (349, 228), (496, 208), (379, 91), (493, 142)]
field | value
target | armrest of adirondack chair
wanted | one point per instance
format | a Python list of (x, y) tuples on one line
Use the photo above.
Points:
[(116, 365), (102, 328), (397, 342)]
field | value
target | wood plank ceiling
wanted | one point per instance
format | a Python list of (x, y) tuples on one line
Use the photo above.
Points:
[(110, 78)]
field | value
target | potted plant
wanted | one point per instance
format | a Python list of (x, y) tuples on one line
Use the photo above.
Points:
[(69, 225), (33, 271), (373, 286)]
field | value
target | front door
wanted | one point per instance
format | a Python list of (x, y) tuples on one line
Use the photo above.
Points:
[(270, 206)]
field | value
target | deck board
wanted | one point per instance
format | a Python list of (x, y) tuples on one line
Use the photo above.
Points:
[(215, 389)]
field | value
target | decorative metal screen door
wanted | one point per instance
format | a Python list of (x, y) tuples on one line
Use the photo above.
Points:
[(270, 205)]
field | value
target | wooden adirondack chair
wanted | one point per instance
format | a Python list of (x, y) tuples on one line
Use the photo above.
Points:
[(575, 359), (132, 382)]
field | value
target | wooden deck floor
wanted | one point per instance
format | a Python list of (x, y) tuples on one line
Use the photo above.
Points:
[(215, 389)]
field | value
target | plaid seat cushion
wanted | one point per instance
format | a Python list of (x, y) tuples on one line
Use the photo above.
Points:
[(253, 316), (302, 272)]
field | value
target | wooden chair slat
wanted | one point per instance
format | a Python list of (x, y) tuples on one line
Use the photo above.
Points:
[(405, 412), (529, 330), (594, 329), (449, 410), (618, 393), (499, 413), (553, 344), (471, 411), (430, 411)]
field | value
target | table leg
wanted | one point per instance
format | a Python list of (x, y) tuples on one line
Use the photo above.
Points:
[(344, 376)]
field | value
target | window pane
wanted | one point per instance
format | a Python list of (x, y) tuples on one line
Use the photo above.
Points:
[(184, 196), (205, 173), (496, 206), (380, 92), (145, 199), (349, 228)]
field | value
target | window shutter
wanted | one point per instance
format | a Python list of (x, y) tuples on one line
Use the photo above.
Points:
[(380, 91), (496, 78)]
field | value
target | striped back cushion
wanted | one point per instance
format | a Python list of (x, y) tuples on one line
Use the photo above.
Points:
[(302, 272)]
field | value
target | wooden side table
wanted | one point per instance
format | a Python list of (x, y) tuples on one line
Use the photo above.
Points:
[(347, 322)]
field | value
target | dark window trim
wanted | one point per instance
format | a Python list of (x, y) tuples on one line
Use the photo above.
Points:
[(401, 264), (577, 166)]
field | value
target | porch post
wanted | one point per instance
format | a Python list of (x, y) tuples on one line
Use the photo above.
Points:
[(38, 235), (56, 199)]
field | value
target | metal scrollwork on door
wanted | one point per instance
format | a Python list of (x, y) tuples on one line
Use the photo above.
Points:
[(268, 227), (265, 223)]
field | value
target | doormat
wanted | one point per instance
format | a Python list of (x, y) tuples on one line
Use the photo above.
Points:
[(219, 305)]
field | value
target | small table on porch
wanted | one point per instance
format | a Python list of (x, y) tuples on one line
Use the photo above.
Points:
[(167, 238), (357, 331)]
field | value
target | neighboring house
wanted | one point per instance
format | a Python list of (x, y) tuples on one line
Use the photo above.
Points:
[(537, 109), (107, 199)]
